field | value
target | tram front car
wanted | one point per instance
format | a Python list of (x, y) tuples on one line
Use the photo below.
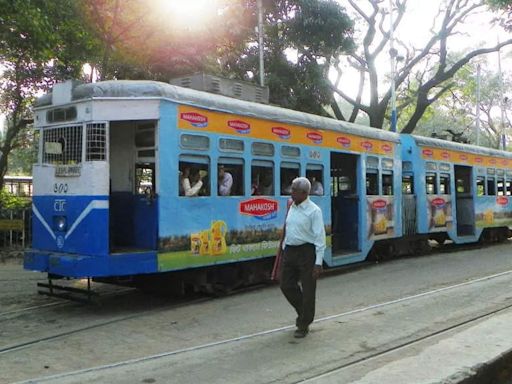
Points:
[(70, 221)]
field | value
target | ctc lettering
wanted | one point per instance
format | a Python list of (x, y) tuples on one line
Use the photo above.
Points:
[(59, 205)]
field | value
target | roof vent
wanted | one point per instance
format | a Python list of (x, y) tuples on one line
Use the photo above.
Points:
[(233, 88)]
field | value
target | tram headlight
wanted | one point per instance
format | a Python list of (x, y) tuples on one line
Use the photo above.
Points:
[(60, 223)]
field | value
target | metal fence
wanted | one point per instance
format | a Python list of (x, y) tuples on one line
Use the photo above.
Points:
[(15, 228)]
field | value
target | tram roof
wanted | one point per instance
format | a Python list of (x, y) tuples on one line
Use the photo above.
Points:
[(444, 144), (152, 89)]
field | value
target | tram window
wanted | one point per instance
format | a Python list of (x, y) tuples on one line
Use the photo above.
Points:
[(372, 185), (387, 163), (406, 166), (289, 171), (145, 136), (314, 173), (501, 187), (96, 142), (146, 153), (430, 184), (262, 178), (231, 145), (407, 184), (480, 186), (508, 185), (145, 179), (372, 162), (193, 178), (444, 167), (262, 149), (62, 145), (195, 142), (387, 184), (341, 185), (460, 186), (235, 169), (444, 184), (61, 114), (431, 166), (491, 186), (286, 150)]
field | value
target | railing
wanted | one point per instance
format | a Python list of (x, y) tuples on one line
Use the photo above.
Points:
[(15, 228)]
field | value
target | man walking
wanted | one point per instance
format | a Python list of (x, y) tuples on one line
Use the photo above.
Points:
[(304, 245)]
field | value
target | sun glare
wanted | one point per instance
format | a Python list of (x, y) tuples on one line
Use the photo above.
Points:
[(188, 14)]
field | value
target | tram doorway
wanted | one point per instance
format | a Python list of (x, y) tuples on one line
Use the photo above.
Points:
[(344, 203), (133, 199), (464, 201)]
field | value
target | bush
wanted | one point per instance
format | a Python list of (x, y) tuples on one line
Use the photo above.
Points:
[(9, 201)]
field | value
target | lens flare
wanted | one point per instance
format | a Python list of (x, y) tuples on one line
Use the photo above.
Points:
[(188, 14)]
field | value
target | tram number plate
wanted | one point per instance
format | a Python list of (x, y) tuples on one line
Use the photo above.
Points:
[(67, 170), (315, 155)]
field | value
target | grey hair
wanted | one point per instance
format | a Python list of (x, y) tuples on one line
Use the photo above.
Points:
[(302, 184)]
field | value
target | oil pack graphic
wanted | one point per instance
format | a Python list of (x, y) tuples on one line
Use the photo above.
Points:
[(210, 241)]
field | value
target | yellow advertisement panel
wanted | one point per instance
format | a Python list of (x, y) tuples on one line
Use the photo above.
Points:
[(235, 125), (439, 154)]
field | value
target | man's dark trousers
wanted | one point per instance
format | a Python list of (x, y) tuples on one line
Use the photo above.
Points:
[(298, 264)]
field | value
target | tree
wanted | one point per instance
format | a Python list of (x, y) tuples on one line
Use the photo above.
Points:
[(301, 39), (461, 102), (41, 41), (506, 7), (141, 40), (427, 71)]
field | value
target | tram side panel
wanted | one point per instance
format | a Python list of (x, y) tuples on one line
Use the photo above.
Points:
[(208, 229), (493, 205), (460, 190)]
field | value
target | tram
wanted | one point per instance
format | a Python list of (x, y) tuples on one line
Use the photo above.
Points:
[(107, 200), (109, 196), (455, 191), (20, 186)]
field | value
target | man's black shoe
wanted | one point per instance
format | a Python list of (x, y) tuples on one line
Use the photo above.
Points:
[(300, 333)]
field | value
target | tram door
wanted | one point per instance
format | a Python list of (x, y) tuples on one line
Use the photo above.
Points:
[(464, 203), (344, 203), (133, 199)]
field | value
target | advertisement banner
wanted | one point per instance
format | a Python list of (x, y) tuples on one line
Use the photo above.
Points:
[(228, 124), (493, 211), (439, 213), (380, 217)]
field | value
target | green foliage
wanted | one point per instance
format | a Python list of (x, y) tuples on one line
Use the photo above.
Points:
[(9, 201), (503, 4), (455, 111), (41, 42), (316, 32), (506, 7)]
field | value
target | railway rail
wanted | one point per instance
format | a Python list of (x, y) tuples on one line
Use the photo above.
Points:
[(312, 378)]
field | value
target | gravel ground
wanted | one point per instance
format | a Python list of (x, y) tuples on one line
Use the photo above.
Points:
[(153, 326)]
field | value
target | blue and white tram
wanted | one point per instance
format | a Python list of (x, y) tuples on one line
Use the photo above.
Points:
[(107, 199), (458, 191)]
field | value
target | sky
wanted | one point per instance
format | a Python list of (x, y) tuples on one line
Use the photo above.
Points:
[(414, 30)]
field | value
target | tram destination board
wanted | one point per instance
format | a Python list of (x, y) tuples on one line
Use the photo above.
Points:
[(67, 170)]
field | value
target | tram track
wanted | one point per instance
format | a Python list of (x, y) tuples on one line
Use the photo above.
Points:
[(346, 365), (58, 304), (179, 304), (401, 346), (55, 336), (449, 248)]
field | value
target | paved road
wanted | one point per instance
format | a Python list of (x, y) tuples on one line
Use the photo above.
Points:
[(248, 338)]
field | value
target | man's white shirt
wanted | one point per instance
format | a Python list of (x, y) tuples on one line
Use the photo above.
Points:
[(304, 224)]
